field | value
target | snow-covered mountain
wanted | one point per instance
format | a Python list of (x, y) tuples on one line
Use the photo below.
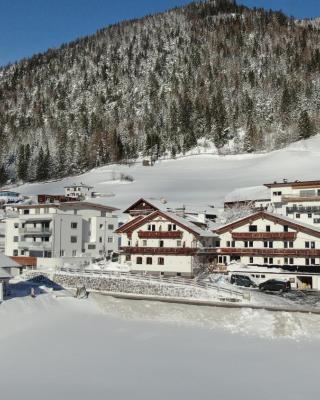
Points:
[(246, 80)]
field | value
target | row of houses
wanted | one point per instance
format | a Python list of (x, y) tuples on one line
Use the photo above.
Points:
[(280, 230), (159, 240)]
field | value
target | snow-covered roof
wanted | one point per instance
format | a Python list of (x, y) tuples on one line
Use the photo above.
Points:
[(248, 194), (7, 262), (189, 224), (4, 274)]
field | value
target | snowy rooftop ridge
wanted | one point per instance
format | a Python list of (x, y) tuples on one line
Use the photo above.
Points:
[(251, 193)]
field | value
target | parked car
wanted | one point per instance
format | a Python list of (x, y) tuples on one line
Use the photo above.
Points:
[(242, 280), (273, 285)]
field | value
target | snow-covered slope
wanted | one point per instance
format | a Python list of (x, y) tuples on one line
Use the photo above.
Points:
[(70, 349), (201, 179)]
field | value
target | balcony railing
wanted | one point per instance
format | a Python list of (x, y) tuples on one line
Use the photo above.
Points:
[(160, 235), (303, 210), (35, 245), (35, 231), (160, 250), (268, 252), (297, 198), (264, 235)]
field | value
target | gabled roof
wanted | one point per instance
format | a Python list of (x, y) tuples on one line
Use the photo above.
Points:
[(182, 222), (294, 184), (280, 219), (78, 205), (142, 200)]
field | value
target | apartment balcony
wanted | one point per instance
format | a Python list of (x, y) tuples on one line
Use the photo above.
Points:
[(298, 199), (180, 251), (303, 253), (303, 210), (160, 234), (35, 245), (264, 235), (31, 231)]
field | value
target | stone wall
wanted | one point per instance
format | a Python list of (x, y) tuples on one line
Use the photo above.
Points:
[(126, 285)]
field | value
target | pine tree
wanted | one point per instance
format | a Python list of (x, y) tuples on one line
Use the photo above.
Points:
[(305, 126), (3, 175)]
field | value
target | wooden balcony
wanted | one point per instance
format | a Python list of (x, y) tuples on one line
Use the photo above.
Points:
[(299, 199), (160, 234), (234, 251), (179, 251), (264, 235)]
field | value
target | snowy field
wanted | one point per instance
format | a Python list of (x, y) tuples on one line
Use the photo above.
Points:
[(102, 348), (201, 180)]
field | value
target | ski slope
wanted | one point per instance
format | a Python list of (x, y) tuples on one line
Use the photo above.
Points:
[(203, 179)]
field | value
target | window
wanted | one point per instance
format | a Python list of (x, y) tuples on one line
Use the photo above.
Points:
[(15, 252), (245, 244), (250, 244), (101, 226), (61, 253), (309, 215), (228, 243), (160, 261), (217, 243), (128, 257), (144, 243), (265, 260), (74, 253), (16, 238), (313, 261), (253, 228), (313, 245), (251, 260), (74, 239), (100, 239), (285, 228), (151, 227), (277, 193), (91, 246), (286, 260), (74, 225), (268, 228), (45, 239), (178, 243), (307, 261), (139, 260), (174, 227), (285, 245), (161, 243), (297, 215), (26, 212), (265, 244), (16, 225), (110, 239), (149, 260), (270, 260), (291, 260), (291, 245), (233, 244), (111, 227)]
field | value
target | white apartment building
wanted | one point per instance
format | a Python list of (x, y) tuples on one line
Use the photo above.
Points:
[(266, 239), (299, 200), (78, 191), (161, 242), (62, 230)]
